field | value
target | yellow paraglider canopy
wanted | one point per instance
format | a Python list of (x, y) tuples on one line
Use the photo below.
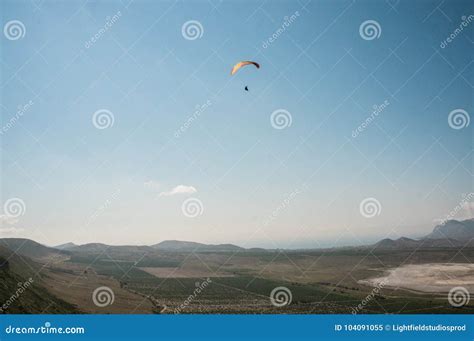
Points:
[(242, 64)]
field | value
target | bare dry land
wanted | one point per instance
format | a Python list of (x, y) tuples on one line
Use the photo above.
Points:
[(430, 277), (320, 281)]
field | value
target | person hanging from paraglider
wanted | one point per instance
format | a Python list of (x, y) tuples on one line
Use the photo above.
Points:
[(242, 64)]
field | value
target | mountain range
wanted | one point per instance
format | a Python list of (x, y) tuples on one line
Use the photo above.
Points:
[(452, 233)]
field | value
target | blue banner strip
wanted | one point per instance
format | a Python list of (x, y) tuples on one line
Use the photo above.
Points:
[(237, 327)]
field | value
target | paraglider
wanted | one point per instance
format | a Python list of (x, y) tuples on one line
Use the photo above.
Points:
[(242, 64)]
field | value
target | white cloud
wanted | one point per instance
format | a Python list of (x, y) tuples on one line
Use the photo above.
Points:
[(180, 189)]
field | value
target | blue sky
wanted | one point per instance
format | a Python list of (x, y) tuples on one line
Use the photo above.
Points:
[(256, 185)]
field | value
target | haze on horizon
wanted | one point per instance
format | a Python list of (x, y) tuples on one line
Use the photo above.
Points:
[(180, 128)]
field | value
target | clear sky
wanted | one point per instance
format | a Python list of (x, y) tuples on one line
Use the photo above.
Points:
[(250, 183)]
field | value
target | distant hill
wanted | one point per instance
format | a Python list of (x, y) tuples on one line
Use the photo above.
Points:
[(167, 245), (400, 243), (453, 229), (453, 233), (90, 247), (66, 246), (100, 248), (31, 249), (407, 243), (183, 246)]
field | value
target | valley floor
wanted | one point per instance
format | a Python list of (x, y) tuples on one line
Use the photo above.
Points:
[(309, 282)]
